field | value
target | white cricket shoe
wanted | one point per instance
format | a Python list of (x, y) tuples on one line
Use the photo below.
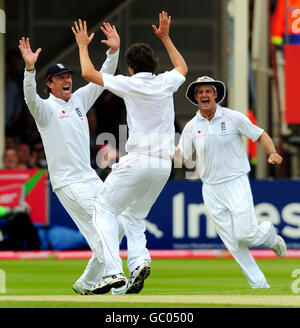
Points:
[(109, 282), (280, 248), (137, 278), (79, 289)]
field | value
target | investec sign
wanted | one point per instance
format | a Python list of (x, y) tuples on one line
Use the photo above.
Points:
[(2, 21), (289, 217), (179, 219)]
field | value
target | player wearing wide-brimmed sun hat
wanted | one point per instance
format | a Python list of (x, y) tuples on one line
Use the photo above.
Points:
[(216, 134), (218, 86)]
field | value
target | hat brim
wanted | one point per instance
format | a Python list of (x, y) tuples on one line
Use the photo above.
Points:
[(219, 85)]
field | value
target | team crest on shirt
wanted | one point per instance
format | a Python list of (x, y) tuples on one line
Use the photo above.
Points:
[(223, 129), (63, 113), (77, 110)]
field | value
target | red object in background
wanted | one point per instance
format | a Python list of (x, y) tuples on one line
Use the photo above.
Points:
[(282, 19), (252, 150), (11, 188), (292, 86), (11, 195)]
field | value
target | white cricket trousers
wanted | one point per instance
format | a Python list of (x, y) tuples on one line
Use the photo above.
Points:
[(230, 206), (130, 190), (78, 199)]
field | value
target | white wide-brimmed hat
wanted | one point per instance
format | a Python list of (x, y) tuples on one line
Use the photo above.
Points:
[(219, 87)]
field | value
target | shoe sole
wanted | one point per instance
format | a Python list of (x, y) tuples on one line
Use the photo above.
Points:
[(81, 292), (284, 248), (106, 288), (138, 283)]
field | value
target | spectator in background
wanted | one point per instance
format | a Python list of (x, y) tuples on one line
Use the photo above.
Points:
[(39, 155), (13, 103), (10, 141), (25, 155), (11, 160), (17, 232)]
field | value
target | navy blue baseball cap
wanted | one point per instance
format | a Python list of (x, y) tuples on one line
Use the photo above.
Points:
[(56, 69)]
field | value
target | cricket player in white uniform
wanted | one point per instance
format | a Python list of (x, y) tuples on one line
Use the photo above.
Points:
[(216, 133), (137, 180), (62, 122)]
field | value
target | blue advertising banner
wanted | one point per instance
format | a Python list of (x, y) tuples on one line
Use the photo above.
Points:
[(179, 220)]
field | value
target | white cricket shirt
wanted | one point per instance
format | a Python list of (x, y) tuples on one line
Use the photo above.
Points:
[(219, 144), (150, 110), (64, 128)]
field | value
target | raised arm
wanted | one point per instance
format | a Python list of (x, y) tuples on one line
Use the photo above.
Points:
[(162, 32), (35, 104), (88, 70), (30, 57)]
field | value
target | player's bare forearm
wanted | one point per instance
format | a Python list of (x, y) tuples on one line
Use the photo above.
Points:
[(268, 146), (162, 32), (175, 56), (88, 70)]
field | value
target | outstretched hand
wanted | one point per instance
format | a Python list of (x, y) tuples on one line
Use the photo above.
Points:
[(113, 39), (164, 26), (80, 32), (28, 55)]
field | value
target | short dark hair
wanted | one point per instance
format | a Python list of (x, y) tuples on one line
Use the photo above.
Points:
[(140, 57), (47, 90)]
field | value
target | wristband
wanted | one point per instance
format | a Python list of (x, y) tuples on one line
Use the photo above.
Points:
[(30, 69)]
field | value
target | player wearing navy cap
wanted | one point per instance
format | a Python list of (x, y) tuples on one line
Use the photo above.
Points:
[(63, 125)]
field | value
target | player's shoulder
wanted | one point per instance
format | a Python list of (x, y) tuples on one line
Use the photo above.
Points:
[(232, 114), (172, 74), (191, 122)]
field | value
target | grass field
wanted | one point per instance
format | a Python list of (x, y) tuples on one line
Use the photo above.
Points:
[(179, 283)]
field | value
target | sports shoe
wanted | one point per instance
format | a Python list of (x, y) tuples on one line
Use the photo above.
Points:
[(79, 289), (109, 282), (137, 278), (280, 247)]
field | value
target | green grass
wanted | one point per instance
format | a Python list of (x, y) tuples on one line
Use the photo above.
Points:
[(168, 277)]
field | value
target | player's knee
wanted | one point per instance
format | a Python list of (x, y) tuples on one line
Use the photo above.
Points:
[(245, 237)]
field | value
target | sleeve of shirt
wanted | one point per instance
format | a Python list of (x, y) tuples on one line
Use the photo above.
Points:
[(174, 79), (247, 128), (36, 105), (89, 93), (186, 144), (119, 85)]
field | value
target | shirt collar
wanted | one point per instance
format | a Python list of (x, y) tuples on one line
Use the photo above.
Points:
[(58, 100), (146, 75), (217, 114)]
